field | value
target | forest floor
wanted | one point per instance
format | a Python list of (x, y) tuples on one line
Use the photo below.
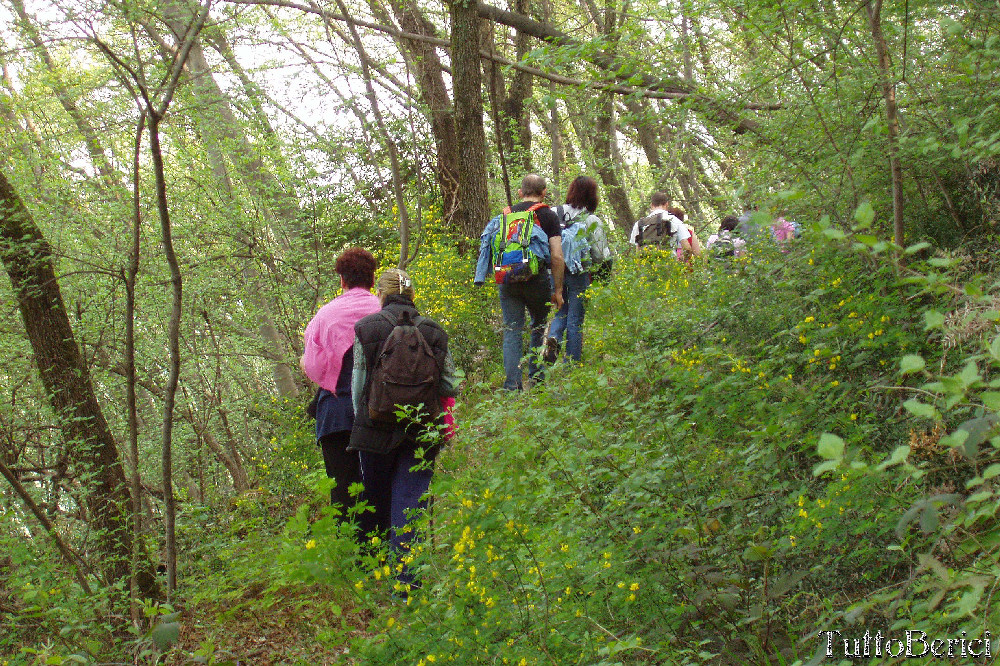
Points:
[(293, 625)]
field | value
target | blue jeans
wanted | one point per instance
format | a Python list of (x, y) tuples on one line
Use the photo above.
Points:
[(569, 318), (395, 490), (533, 295)]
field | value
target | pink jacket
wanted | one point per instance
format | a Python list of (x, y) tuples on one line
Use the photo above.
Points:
[(331, 333)]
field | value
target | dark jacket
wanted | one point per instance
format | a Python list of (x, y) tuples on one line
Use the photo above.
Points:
[(371, 333)]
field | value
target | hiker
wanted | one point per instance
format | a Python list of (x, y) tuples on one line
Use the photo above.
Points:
[(397, 455), (725, 244), (328, 360), (520, 245), (747, 227), (783, 230), (661, 228), (585, 251), (695, 242)]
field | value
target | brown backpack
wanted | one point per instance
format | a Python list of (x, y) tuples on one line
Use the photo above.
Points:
[(655, 229), (405, 376)]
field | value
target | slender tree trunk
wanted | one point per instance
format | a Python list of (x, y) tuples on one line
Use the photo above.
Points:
[(28, 261), (512, 123), (220, 127), (874, 8), (602, 141), (131, 276), (473, 208), (603, 136), (174, 335)]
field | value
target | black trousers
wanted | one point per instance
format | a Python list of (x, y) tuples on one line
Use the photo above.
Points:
[(342, 466)]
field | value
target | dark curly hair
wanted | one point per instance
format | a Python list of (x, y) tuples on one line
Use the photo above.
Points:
[(729, 223), (582, 193), (356, 266)]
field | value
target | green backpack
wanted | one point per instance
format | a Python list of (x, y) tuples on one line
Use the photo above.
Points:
[(513, 260)]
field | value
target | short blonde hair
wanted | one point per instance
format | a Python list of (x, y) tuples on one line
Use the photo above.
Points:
[(395, 281)]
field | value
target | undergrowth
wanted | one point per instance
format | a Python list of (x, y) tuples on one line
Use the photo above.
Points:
[(753, 451)]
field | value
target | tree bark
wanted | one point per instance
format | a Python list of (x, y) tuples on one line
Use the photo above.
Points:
[(173, 379), (28, 261), (473, 205), (604, 136)]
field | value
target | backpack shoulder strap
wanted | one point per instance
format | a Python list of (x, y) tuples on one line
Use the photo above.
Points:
[(388, 317), (534, 209)]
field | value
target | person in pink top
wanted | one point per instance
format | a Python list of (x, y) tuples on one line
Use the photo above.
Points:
[(329, 362)]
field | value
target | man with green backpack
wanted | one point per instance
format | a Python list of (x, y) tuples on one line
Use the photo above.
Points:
[(520, 245)]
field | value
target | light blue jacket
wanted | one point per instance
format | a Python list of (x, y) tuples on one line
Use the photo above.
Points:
[(539, 245), (584, 242)]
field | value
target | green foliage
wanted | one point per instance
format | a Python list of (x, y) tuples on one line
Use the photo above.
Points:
[(668, 492), (752, 450)]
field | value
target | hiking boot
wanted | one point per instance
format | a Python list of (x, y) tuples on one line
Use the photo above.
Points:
[(551, 352)]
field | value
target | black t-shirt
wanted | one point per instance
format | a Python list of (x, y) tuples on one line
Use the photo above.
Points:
[(547, 219)]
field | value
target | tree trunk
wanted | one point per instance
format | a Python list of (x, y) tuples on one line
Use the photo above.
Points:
[(603, 154), (28, 261), (874, 8), (473, 208), (170, 393)]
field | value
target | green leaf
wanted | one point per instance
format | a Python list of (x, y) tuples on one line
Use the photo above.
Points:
[(830, 446), (979, 430), (916, 247), (991, 471), (834, 234), (791, 195), (942, 262), (826, 466), (995, 348), (756, 553), (970, 374), (898, 455), (864, 215), (918, 408), (954, 439), (933, 319), (928, 519), (911, 363)]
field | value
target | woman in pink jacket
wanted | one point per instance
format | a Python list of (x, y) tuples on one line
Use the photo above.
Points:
[(329, 361)]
